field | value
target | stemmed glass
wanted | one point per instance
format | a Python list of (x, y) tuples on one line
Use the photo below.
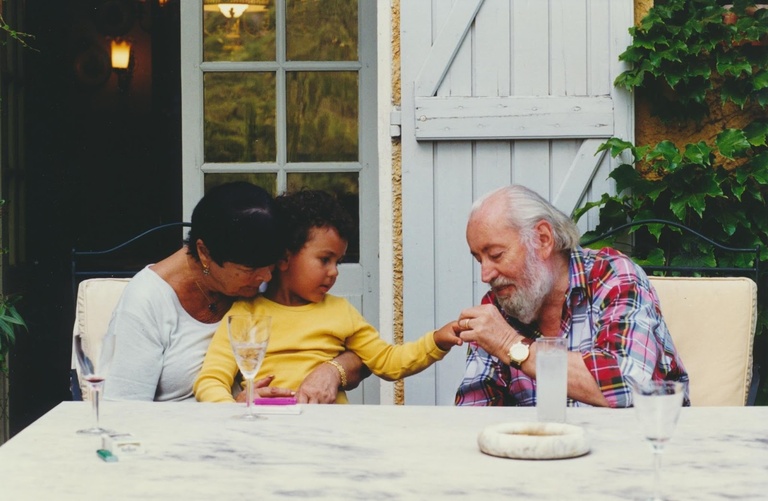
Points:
[(249, 335), (94, 374), (657, 407)]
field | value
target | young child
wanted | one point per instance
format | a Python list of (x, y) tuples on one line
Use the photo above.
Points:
[(310, 326)]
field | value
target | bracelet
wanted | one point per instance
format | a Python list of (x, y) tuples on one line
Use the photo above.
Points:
[(342, 372)]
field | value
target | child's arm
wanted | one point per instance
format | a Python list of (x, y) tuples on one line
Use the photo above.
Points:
[(214, 383), (391, 362), (447, 336)]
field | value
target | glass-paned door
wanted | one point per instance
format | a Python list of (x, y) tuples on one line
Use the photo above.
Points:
[(282, 93)]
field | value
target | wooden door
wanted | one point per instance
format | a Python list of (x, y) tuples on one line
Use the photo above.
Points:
[(497, 92)]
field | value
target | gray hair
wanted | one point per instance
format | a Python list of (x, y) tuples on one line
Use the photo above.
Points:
[(525, 208)]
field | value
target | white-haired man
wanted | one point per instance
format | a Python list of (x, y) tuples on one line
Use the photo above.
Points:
[(544, 284)]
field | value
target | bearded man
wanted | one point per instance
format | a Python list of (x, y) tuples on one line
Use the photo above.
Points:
[(544, 284)]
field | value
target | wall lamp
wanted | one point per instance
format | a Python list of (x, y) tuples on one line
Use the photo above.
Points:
[(122, 62)]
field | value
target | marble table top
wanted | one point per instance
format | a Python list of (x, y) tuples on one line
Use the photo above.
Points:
[(350, 452)]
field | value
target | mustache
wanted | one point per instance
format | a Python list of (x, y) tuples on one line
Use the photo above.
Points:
[(500, 282)]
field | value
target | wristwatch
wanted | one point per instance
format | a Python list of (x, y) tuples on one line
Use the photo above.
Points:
[(519, 352)]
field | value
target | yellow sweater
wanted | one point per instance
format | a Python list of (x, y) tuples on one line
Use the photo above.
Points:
[(302, 338)]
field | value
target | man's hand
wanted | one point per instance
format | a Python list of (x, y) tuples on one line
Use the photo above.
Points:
[(485, 326)]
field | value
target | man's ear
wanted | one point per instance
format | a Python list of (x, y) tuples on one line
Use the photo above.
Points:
[(545, 239)]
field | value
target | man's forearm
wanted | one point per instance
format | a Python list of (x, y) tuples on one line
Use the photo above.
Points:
[(581, 384)]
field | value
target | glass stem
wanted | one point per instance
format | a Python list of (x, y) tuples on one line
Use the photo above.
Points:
[(657, 452), (249, 401), (95, 393)]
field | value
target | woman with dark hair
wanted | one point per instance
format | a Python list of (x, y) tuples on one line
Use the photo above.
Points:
[(169, 311)]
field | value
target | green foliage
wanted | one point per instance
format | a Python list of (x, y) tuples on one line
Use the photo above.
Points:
[(10, 323), (10, 320), (686, 56), (691, 187), (21, 37), (684, 52)]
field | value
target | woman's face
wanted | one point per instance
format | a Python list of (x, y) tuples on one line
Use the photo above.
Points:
[(232, 279), (237, 280)]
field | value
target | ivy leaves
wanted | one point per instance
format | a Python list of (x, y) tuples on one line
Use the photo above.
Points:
[(694, 187), (686, 50), (668, 183)]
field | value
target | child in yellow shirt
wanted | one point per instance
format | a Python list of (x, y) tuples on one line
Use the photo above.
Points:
[(310, 326)]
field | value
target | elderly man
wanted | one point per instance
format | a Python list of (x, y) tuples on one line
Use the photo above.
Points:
[(544, 284)]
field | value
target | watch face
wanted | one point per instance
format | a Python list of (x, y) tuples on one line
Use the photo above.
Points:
[(518, 352)]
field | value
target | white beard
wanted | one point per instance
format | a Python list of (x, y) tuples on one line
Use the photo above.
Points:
[(525, 302)]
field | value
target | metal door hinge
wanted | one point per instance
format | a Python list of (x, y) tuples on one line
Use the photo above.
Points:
[(395, 121)]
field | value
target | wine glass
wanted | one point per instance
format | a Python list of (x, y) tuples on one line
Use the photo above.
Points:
[(249, 335), (93, 373), (657, 407)]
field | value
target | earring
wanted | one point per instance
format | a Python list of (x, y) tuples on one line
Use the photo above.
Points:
[(206, 270)]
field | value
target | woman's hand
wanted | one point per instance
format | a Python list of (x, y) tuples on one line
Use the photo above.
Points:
[(320, 386), (262, 389)]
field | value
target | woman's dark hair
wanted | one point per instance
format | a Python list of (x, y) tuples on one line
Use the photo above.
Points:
[(238, 224), (307, 209)]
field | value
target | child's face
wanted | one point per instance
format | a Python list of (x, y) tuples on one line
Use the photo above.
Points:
[(308, 275)]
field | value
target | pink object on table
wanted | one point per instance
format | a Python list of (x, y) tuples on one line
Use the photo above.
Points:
[(274, 401)]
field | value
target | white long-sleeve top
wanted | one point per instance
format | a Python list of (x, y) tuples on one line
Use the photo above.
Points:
[(159, 347)]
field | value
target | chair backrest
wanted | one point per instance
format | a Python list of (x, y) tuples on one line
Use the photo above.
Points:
[(127, 258), (98, 278), (96, 300), (712, 321)]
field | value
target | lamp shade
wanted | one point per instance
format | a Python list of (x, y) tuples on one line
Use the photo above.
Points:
[(231, 10), (121, 54), (236, 8)]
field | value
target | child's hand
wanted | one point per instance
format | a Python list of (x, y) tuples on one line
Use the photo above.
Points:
[(261, 388), (446, 337)]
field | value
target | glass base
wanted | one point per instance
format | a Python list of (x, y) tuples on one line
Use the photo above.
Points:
[(248, 417), (96, 430)]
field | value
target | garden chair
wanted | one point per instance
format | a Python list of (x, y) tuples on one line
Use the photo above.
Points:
[(712, 320), (98, 280)]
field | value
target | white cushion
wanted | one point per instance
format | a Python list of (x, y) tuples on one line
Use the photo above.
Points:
[(96, 300), (712, 322)]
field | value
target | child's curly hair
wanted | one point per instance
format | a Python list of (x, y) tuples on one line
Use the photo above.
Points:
[(302, 210)]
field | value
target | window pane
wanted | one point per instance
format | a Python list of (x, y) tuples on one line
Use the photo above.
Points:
[(322, 116), (346, 187), (239, 114), (247, 37), (321, 30), (267, 180)]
